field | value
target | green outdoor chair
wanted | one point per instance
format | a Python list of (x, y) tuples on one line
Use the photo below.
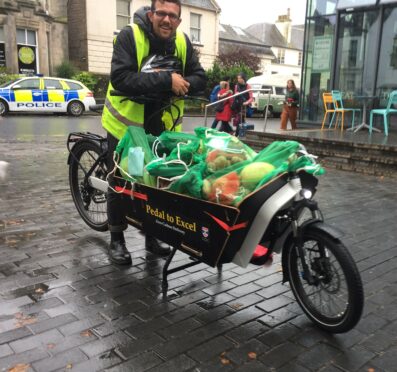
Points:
[(385, 112), (340, 109)]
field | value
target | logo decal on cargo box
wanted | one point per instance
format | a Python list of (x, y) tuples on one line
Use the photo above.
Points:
[(205, 232)]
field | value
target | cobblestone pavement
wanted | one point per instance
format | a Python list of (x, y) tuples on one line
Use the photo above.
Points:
[(64, 306)]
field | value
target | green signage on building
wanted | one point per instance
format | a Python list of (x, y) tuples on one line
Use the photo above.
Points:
[(322, 52)]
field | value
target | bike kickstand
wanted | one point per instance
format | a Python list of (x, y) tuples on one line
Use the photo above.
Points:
[(165, 269)]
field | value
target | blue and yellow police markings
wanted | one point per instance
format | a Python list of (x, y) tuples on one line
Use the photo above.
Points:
[(75, 94), (28, 95), (7, 95), (56, 95)]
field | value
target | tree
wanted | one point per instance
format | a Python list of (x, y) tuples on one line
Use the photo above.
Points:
[(219, 72), (239, 56)]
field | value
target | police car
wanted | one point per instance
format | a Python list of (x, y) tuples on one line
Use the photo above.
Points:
[(45, 94)]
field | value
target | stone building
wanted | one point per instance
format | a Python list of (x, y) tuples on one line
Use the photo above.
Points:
[(33, 35), (38, 35), (286, 41)]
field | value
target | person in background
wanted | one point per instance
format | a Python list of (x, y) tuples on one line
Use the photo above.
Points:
[(290, 108), (214, 97), (243, 101), (226, 114), (154, 32)]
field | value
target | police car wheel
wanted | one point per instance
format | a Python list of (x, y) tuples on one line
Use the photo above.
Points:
[(3, 108), (75, 108)]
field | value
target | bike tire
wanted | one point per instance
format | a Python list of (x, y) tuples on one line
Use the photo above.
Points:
[(90, 203), (338, 282)]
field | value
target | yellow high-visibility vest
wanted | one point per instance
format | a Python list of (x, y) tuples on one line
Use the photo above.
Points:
[(118, 115)]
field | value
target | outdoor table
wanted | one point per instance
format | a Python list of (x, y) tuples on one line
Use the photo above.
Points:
[(365, 100)]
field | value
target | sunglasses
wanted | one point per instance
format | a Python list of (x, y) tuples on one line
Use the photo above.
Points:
[(161, 14)]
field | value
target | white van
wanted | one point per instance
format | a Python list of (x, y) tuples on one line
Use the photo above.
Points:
[(277, 85)]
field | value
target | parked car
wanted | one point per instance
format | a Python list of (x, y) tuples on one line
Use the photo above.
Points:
[(45, 94)]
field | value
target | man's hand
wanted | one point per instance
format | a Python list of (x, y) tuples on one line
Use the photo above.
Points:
[(179, 85)]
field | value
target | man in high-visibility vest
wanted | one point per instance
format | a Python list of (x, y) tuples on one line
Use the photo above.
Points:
[(153, 32)]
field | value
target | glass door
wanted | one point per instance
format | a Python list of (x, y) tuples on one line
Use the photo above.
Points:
[(387, 67), (357, 53)]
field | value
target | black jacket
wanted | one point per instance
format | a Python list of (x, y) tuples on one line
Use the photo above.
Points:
[(124, 75)]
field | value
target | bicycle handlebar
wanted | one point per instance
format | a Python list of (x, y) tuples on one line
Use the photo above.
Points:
[(145, 99)]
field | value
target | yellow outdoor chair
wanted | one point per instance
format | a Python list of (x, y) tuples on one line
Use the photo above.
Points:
[(385, 112), (340, 109), (328, 108)]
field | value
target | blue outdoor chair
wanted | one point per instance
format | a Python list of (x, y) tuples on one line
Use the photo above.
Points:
[(340, 109), (385, 112)]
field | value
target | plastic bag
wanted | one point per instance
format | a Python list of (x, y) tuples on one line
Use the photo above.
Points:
[(232, 184), (135, 161), (216, 151), (158, 62), (226, 144)]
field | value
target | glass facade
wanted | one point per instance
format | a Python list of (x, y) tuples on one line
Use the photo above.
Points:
[(317, 69), (351, 46)]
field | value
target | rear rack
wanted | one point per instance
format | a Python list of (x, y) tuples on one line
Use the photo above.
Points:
[(77, 136)]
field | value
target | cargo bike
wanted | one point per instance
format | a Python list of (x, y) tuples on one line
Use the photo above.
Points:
[(281, 214)]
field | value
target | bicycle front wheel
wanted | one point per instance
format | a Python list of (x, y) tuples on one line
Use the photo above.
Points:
[(90, 203), (334, 299)]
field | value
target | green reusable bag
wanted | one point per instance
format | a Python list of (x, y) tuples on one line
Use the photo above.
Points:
[(232, 184), (134, 137), (178, 151)]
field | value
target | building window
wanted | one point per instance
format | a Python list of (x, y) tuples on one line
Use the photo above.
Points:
[(281, 56), (195, 29), (352, 58), (123, 13), (300, 59), (2, 48), (27, 51)]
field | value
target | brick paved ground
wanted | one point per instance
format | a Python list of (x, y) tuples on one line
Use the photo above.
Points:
[(64, 306)]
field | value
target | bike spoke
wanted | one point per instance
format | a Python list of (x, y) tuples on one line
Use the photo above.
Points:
[(329, 296), (94, 203)]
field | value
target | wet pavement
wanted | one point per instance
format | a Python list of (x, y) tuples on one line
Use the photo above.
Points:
[(64, 306)]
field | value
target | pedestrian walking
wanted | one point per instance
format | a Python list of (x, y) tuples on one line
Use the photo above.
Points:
[(241, 102), (214, 97), (290, 108), (224, 110)]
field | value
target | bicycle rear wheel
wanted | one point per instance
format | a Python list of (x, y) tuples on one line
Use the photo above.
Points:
[(335, 299), (90, 203)]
